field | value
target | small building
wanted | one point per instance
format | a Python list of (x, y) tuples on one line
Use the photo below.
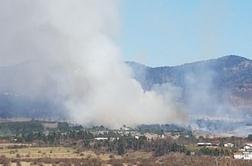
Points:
[(228, 145), (101, 138), (238, 155), (151, 136), (204, 144), (247, 155), (113, 138), (247, 147), (50, 125), (244, 153)]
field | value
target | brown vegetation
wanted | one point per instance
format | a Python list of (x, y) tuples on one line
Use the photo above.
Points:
[(174, 159)]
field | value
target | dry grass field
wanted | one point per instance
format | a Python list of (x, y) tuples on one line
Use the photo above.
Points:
[(35, 152), (50, 152), (48, 156), (65, 156)]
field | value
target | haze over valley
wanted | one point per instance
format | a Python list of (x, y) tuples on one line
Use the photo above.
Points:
[(78, 84), (211, 91)]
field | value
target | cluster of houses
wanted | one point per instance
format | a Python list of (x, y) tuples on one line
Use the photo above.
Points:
[(210, 144), (207, 144), (244, 153)]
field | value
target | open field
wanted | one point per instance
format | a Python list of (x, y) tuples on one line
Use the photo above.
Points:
[(49, 152), (37, 143), (54, 156), (40, 152)]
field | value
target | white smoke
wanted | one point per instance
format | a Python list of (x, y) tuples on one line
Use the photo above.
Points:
[(68, 51)]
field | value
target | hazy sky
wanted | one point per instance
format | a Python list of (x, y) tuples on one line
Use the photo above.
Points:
[(171, 32)]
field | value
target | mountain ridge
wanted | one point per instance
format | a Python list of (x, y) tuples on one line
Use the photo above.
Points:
[(230, 74), (237, 57), (215, 84)]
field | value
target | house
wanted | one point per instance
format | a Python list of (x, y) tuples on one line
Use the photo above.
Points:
[(50, 125), (248, 147), (247, 155), (238, 155), (204, 144), (152, 136), (228, 145), (207, 144), (101, 138), (113, 138), (244, 153)]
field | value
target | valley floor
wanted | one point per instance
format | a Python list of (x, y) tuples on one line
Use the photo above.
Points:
[(61, 156)]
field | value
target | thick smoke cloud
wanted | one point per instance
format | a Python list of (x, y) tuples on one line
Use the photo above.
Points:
[(65, 51)]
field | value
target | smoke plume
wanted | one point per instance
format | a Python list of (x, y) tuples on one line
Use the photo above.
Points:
[(65, 51)]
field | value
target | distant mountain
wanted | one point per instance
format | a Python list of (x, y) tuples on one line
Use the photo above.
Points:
[(19, 96), (12, 105), (210, 87), (215, 94), (228, 77)]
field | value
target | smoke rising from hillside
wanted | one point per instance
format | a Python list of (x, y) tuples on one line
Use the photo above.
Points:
[(203, 97), (65, 51)]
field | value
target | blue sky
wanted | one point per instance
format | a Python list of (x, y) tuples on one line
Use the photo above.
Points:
[(172, 32)]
